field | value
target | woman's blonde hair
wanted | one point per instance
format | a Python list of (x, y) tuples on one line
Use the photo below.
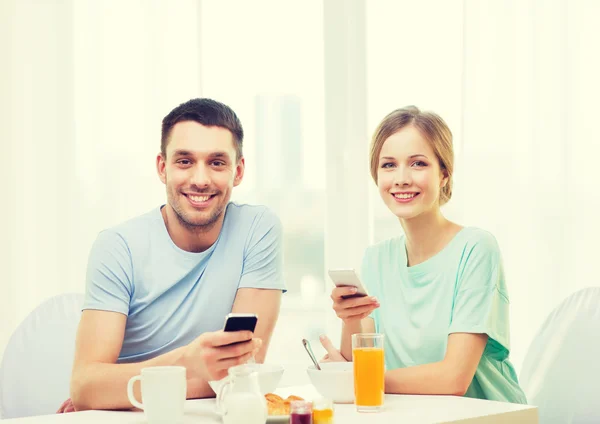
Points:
[(432, 128)]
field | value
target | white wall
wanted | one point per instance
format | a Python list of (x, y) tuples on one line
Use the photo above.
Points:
[(531, 147), (84, 88)]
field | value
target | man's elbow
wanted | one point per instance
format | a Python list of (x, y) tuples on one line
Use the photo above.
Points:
[(81, 392)]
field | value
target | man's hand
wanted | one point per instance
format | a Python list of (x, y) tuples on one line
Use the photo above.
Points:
[(352, 309), (67, 406), (332, 355), (212, 354)]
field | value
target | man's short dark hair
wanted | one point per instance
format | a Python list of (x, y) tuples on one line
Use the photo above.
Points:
[(207, 112)]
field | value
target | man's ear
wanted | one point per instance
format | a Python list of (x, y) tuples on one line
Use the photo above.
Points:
[(239, 172), (161, 168)]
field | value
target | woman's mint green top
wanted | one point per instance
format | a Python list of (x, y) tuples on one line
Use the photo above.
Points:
[(459, 290)]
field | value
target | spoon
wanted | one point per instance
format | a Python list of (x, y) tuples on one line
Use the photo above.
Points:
[(306, 344)]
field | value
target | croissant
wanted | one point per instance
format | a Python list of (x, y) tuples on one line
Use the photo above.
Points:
[(278, 405)]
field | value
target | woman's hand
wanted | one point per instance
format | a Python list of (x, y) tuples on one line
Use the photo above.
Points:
[(332, 355), (352, 309)]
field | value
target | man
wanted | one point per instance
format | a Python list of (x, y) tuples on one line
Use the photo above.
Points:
[(160, 285)]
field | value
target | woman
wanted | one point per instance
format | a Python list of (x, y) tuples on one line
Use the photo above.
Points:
[(437, 292)]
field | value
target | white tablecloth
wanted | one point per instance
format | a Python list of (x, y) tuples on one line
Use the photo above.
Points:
[(405, 409)]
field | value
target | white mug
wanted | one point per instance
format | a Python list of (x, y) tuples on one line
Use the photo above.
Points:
[(163, 394)]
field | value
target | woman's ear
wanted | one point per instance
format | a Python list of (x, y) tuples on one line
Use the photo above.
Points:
[(445, 178)]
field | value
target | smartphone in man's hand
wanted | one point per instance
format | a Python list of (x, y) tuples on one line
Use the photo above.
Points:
[(240, 322)]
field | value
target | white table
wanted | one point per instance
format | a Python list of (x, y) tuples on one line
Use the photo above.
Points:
[(405, 409)]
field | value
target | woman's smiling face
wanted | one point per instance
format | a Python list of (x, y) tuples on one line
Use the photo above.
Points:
[(409, 176)]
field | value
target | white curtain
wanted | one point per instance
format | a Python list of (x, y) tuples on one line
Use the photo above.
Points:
[(531, 147), (84, 87)]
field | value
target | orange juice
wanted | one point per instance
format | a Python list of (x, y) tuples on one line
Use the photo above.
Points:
[(323, 416), (369, 371)]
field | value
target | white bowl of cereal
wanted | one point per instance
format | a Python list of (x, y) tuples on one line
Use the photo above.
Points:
[(334, 381)]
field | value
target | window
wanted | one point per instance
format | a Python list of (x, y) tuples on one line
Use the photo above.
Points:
[(413, 65), (277, 92)]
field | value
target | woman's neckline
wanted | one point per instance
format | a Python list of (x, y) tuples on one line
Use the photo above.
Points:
[(432, 259)]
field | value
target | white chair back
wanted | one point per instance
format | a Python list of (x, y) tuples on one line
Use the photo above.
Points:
[(36, 367), (561, 371)]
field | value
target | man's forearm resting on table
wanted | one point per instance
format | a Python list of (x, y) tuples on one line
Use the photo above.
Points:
[(104, 386), (99, 384)]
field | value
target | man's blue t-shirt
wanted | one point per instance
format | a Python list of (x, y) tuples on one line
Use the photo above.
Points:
[(172, 296)]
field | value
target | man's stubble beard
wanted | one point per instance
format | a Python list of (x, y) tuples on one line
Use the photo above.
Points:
[(192, 226)]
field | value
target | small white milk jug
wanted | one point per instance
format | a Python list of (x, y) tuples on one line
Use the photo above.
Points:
[(240, 398)]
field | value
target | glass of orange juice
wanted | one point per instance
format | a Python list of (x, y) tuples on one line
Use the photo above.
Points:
[(322, 411), (369, 370)]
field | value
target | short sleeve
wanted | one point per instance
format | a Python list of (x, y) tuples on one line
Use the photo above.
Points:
[(263, 258), (109, 277), (480, 301)]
